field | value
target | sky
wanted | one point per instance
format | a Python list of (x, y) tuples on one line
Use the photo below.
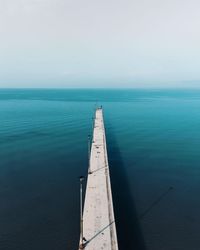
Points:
[(104, 43)]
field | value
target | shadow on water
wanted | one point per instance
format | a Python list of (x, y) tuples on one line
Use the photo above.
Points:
[(127, 220)]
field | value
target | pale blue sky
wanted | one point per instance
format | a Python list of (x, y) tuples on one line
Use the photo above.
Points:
[(90, 43)]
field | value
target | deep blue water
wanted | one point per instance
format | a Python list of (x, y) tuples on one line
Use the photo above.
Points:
[(153, 141)]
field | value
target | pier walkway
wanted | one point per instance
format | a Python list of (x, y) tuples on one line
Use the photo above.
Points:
[(99, 228)]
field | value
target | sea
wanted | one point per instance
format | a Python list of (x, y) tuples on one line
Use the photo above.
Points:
[(153, 142)]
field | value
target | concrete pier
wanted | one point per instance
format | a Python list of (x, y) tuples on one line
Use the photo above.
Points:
[(99, 228)]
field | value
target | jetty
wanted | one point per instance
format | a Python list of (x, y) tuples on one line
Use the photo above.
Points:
[(98, 229)]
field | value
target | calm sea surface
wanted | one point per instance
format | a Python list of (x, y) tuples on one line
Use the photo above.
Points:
[(153, 141)]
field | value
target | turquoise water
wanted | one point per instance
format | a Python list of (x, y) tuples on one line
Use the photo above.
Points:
[(153, 141)]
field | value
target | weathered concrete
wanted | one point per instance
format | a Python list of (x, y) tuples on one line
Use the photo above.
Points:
[(99, 227)]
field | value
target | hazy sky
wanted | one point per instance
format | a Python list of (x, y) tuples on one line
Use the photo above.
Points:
[(90, 43)]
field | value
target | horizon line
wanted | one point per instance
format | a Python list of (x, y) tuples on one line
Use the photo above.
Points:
[(104, 88)]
